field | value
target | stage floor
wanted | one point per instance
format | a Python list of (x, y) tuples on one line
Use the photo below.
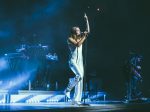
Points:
[(109, 106), (55, 101)]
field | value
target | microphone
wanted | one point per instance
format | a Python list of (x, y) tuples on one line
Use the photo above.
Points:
[(85, 32)]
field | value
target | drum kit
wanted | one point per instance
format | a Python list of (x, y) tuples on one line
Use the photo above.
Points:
[(30, 51), (28, 55)]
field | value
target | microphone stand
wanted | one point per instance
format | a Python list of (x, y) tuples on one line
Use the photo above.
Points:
[(85, 62), (84, 79)]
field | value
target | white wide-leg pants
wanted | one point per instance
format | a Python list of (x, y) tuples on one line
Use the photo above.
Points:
[(77, 81)]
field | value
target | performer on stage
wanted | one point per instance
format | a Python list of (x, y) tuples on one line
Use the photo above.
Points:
[(75, 42), (132, 72)]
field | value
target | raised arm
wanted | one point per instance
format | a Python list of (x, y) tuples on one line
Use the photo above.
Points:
[(87, 24)]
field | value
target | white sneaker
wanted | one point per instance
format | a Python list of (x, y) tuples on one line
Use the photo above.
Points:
[(76, 103), (67, 94)]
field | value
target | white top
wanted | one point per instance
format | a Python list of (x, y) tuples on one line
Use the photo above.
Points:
[(75, 53)]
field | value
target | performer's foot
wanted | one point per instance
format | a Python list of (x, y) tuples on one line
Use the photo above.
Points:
[(67, 94), (76, 103)]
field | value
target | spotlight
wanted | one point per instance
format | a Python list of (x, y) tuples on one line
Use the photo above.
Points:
[(5, 54)]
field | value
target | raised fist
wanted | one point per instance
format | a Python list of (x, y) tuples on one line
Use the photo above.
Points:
[(85, 16)]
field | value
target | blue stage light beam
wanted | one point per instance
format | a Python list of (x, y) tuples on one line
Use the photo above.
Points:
[(3, 64), (18, 82)]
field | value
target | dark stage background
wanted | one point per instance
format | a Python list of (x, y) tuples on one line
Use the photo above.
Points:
[(117, 28)]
